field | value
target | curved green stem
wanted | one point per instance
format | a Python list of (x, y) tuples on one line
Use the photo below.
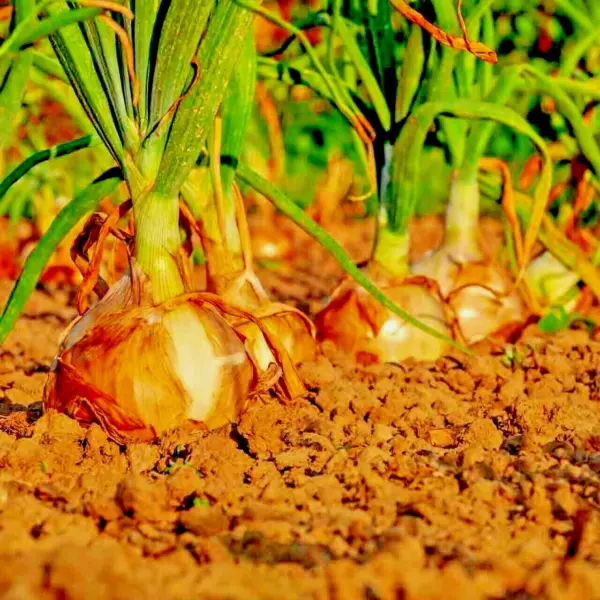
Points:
[(66, 219), (294, 212), (44, 155)]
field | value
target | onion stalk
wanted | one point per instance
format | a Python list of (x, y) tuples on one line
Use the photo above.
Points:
[(358, 324), (479, 289)]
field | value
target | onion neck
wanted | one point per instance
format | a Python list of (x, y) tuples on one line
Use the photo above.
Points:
[(389, 260), (157, 244), (222, 266), (219, 231), (223, 250), (390, 255), (224, 257), (462, 217)]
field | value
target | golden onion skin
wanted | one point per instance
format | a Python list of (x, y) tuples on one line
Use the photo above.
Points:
[(293, 328), (294, 333), (359, 325), (269, 243), (479, 292), (483, 301), (142, 371)]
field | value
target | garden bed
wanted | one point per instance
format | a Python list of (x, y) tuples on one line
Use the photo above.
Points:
[(472, 477)]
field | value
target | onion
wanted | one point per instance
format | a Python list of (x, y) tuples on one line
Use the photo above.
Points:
[(479, 291), (292, 327), (551, 281), (231, 275), (362, 327), (271, 238), (482, 300), (359, 325), (139, 370)]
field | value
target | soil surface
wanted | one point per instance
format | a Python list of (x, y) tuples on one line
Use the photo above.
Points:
[(467, 478)]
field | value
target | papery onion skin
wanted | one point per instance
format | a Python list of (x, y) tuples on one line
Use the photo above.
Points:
[(479, 294), (142, 371), (359, 325), (478, 290), (295, 333), (293, 328), (483, 301)]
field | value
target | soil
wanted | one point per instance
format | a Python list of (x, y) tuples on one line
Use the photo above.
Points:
[(466, 478)]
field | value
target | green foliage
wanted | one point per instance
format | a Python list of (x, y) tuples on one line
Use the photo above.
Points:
[(559, 319), (155, 140), (70, 215), (236, 112), (441, 108)]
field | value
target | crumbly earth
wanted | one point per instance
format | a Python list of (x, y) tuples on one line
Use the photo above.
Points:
[(468, 478)]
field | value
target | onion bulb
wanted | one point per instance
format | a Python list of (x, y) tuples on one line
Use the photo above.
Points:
[(271, 240), (479, 291), (362, 327), (292, 327), (139, 370), (551, 281)]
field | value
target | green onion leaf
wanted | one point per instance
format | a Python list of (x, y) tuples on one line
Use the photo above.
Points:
[(184, 24), (220, 49), (68, 217)]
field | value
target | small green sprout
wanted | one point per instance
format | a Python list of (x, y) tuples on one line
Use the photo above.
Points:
[(511, 357), (203, 502)]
